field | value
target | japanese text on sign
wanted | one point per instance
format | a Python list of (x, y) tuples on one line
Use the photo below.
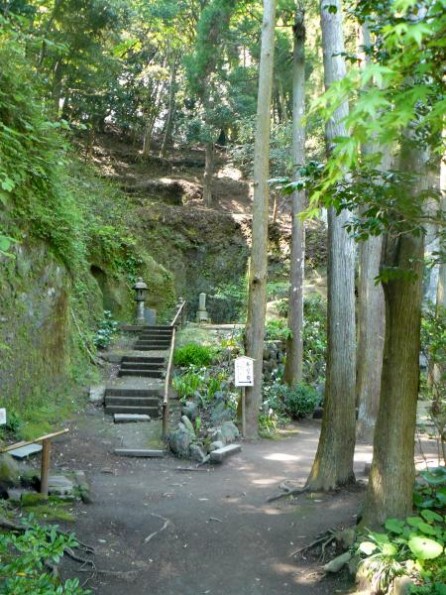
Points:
[(244, 371)]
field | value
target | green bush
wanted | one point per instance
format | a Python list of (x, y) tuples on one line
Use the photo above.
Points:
[(189, 384), (414, 547), (24, 559), (106, 331), (193, 354), (277, 330), (296, 402)]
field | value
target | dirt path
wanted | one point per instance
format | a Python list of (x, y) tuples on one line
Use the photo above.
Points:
[(212, 530)]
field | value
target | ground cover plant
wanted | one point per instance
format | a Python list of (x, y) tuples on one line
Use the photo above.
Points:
[(30, 560), (412, 547)]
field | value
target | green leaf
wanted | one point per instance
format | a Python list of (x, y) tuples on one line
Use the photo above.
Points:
[(435, 477), (394, 525), (431, 516), (7, 184), (424, 548), (421, 525)]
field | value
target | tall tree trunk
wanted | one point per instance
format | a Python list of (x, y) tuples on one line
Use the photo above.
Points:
[(371, 326), (333, 464), (441, 287), (209, 166), (56, 90), (171, 108), (153, 114), (255, 326), (392, 473), (371, 319), (294, 359), (438, 409)]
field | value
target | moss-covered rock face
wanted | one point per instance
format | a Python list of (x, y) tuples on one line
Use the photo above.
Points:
[(37, 309), (118, 294), (205, 250)]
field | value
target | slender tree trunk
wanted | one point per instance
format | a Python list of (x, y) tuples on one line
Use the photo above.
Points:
[(371, 319), (294, 359), (57, 86), (439, 368), (151, 119), (171, 109), (371, 326), (392, 473), (209, 166), (255, 326), (333, 464)]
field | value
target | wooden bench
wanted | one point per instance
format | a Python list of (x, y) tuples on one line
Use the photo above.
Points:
[(46, 456)]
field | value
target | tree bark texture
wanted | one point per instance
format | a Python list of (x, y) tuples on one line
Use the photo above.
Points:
[(371, 316), (208, 173), (333, 464), (171, 107), (392, 473), (371, 327), (255, 327), (294, 359)]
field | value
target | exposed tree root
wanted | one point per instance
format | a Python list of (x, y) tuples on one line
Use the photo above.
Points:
[(324, 540), (166, 524), (287, 493)]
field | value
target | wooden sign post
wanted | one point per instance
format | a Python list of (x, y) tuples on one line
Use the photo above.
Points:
[(244, 376)]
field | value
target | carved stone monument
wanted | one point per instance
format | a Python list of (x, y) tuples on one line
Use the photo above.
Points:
[(202, 315)]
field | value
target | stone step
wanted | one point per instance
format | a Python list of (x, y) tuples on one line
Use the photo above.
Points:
[(219, 455), (151, 411), (139, 452), (152, 341), (162, 333), (152, 347), (124, 418), (142, 373), (141, 366), (146, 359), (134, 401), (133, 392), (154, 337)]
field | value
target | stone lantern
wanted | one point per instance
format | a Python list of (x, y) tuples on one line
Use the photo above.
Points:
[(140, 296)]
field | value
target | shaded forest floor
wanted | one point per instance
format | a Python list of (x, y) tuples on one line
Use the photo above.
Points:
[(164, 527), (213, 530)]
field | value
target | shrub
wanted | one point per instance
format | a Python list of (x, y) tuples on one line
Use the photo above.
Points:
[(415, 546), (189, 384), (277, 330), (107, 329), (297, 401), (24, 558), (193, 354)]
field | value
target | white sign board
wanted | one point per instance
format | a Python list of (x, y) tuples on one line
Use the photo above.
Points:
[(2, 416), (244, 371)]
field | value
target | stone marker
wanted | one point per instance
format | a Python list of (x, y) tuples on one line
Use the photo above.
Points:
[(139, 452), (202, 315), (219, 455), (121, 418), (26, 451)]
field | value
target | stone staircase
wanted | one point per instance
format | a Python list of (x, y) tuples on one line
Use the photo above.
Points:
[(139, 387)]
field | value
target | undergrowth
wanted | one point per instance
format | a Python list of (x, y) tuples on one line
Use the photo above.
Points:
[(26, 558)]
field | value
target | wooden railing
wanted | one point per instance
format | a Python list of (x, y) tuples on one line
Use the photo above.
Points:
[(180, 317), (178, 321), (46, 454)]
